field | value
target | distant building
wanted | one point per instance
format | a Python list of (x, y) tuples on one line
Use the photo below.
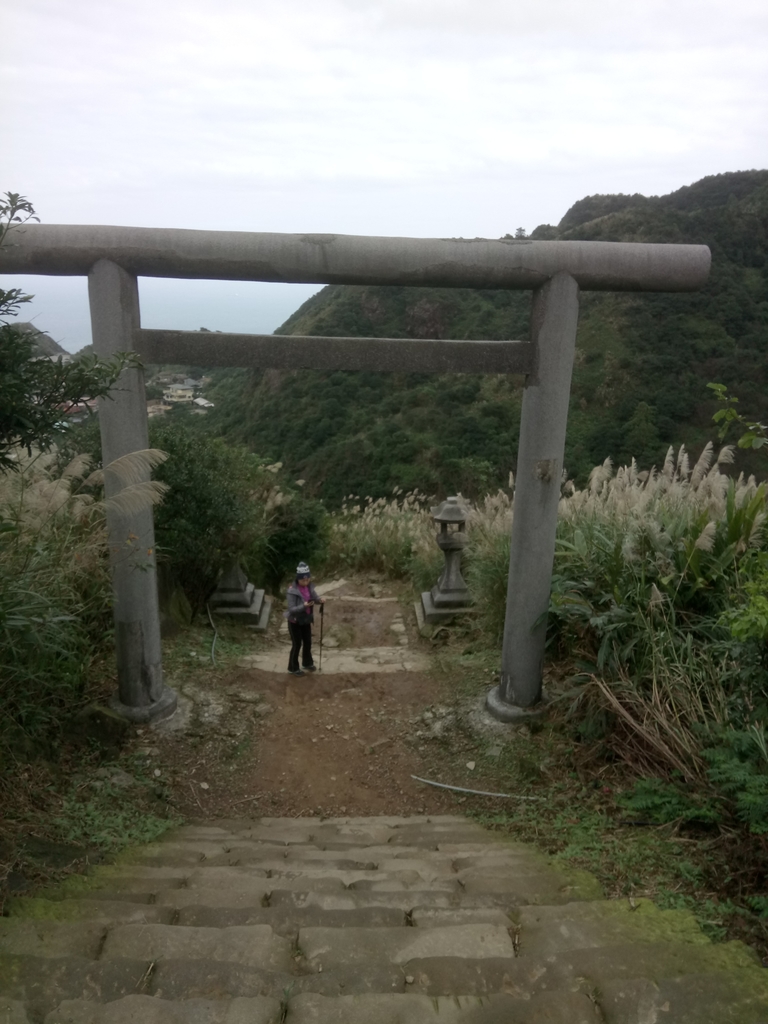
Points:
[(156, 407), (203, 403), (178, 393)]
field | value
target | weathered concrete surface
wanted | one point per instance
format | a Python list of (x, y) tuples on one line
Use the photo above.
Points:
[(252, 945), (294, 352), (13, 1012), (352, 659), (142, 694), (353, 946), (354, 259), (548, 930), (546, 1008), (554, 319), (51, 938), (139, 1009)]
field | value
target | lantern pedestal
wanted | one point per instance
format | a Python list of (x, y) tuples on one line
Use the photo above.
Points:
[(450, 596), (238, 599), (433, 615)]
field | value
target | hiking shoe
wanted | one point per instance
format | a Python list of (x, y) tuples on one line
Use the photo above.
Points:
[(298, 672), (309, 668)]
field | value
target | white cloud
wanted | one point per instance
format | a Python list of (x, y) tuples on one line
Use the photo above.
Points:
[(373, 116)]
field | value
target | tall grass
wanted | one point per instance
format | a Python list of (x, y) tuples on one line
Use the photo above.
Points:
[(646, 566), (55, 594), (652, 571), (394, 537)]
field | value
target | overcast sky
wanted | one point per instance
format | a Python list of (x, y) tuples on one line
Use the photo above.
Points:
[(393, 117)]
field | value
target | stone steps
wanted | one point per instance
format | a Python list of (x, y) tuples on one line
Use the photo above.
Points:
[(366, 920)]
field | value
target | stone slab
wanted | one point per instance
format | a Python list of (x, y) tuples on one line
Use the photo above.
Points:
[(401, 881), (654, 961), (12, 1011), (308, 876), (548, 930), (263, 864), (740, 997), (432, 917), (353, 856), (51, 938), (187, 979), (179, 980), (128, 877), (545, 1008), (331, 948), (404, 899), (104, 910), (140, 1009), (446, 976), (287, 921), (350, 660), (253, 946), (535, 887), (42, 983)]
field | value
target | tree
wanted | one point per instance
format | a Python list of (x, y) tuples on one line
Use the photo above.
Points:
[(214, 513), (755, 434), (641, 437), (36, 393)]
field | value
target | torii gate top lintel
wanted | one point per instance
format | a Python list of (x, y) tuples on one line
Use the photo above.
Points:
[(72, 250)]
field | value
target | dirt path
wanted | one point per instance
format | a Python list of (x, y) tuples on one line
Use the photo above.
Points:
[(258, 741)]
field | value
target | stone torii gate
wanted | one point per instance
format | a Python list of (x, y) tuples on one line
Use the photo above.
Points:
[(113, 258)]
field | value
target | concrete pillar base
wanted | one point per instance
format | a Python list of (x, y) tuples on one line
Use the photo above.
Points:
[(161, 708), (512, 713), (434, 614)]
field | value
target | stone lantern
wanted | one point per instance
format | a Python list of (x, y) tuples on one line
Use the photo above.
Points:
[(450, 595)]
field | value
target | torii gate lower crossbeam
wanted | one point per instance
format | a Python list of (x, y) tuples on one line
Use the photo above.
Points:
[(114, 257)]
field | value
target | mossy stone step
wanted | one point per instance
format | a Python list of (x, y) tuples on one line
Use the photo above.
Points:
[(106, 910), (407, 900), (44, 938), (371, 921), (251, 945), (545, 931), (288, 922), (736, 997), (42, 983), (328, 948), (13, 1011), (138, 1009), (654, 961), (543, 1008)]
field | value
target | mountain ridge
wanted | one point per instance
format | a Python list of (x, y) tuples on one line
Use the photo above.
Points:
[(639, 385)]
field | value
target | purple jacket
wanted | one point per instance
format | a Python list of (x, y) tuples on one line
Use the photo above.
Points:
[(296, 611)]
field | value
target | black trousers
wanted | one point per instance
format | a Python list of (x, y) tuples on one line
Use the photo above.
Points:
[(301, 636)]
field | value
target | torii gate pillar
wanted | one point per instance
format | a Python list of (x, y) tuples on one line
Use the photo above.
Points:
[(142, 694), (554, 318)]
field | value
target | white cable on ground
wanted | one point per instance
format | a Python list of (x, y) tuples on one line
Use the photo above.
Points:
[(474, 792), (215, 634)]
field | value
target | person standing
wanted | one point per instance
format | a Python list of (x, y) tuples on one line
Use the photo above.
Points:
[(302, 598)]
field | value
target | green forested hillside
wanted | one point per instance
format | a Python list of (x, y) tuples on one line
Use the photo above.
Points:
[(643, 361)]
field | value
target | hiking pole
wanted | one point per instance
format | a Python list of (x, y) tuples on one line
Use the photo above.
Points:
[(322, 620)]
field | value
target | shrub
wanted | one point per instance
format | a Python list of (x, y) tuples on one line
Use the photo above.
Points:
[(54, 596), (215, 512), (296, 530), (392, 536)]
